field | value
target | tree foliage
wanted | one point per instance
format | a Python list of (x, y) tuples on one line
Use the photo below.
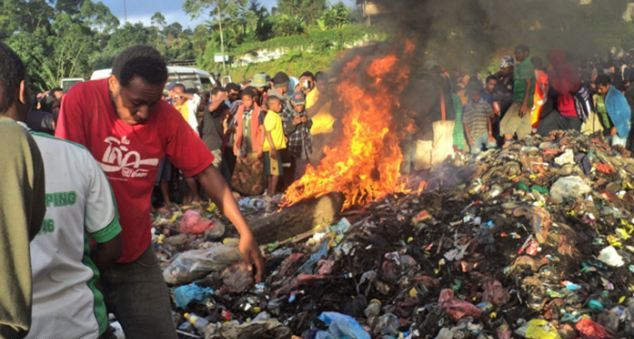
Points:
[(72, 38)]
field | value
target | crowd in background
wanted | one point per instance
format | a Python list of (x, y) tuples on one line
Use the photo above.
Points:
[(530, 95)]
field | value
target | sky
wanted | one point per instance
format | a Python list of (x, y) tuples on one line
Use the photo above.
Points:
[(142, 10)]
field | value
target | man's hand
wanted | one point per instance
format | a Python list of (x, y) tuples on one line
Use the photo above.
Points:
[(251, 255), (217, 189), (297, 120), (613, 131), (273, 153), (524, 109)]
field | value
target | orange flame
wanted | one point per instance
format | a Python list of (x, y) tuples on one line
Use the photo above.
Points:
[(365, 165)]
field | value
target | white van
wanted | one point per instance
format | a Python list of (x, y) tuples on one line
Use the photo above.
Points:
[(188, 76)]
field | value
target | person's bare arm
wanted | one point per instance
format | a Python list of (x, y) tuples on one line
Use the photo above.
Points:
[(217, 189), (107, 253), (527, 93)]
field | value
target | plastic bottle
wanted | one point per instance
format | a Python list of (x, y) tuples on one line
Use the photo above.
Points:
[(199, 322)]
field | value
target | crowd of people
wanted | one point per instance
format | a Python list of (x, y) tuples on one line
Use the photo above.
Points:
[(258, 132), (529, 96), (75, 208)]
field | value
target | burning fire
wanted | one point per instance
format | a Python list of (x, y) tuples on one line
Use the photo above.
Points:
[(365, 165)]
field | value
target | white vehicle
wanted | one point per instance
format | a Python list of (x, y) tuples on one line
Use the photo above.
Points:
[(67, 83), (188, 76)]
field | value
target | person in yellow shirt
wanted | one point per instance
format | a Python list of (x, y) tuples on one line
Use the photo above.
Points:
[(274, 142), (319, 108)]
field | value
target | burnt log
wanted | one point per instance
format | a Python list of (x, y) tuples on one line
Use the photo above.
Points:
[(305, 216)]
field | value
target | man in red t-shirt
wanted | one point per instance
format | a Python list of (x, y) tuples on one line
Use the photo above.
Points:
[(128, 129)]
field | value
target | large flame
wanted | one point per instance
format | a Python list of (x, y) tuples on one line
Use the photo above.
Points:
[(365, 165)]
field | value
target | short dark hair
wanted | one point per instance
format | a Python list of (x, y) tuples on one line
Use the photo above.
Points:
[(522, 48), (250, 91), (142, 61), (489, 78), (12, 72), (272, 98), (232, 86), (179, 85), (217, 90), (603, 80), (56, 89), (308, 74)]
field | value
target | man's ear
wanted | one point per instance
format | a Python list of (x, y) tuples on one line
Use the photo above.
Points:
[(22, 94), (113, 84)]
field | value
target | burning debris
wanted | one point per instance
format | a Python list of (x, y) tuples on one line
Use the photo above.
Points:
[(365, 163), (511, 243)]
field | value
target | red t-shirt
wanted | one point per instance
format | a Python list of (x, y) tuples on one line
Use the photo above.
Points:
[(130, 155)]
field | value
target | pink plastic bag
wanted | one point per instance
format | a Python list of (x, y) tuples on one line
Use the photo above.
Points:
[(455, 307), (192, 222)]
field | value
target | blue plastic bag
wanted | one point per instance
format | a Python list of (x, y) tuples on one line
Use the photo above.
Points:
[(341, 326), (184, 295)]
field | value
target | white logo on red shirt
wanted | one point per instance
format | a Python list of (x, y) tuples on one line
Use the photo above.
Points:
[(118, 157)]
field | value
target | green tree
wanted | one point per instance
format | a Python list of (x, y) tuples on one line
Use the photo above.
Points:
[(335, 17), (306, 10)]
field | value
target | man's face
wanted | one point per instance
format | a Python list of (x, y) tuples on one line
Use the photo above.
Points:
[(178, 97), (603, 89), (134, 102), (58, 95), (506, 71), (233, 95), (491, 85), (299, 108), (282, 89), (520, 55), (475, 96)]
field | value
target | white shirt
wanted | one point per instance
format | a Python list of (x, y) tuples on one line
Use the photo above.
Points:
[(79, 204)]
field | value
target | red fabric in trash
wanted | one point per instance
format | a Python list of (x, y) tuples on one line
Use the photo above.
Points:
[(455, 307), (192, 222), (591, 330)]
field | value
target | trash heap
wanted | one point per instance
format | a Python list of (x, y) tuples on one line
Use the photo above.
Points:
[(530, 241)]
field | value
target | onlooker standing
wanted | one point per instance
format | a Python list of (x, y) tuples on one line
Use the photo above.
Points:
[(618, 110), (214, 121), (248, 178), (260, 82), (477, 115), (280, 89), (307, 82), (503, 91), (21, 197), (300, 145), (128, 129), (187, 105), (517, 119), (274, 143)]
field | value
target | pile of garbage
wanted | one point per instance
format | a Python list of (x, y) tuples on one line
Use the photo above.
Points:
[(530, 241)]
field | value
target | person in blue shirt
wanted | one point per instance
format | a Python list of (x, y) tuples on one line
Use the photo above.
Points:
[(618, 110)]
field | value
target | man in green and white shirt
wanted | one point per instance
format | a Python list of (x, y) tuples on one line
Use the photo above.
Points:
[(80, 211)]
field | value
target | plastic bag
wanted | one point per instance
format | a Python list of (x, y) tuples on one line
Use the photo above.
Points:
[(238, 277), (185, 294), (591, 330), (571, 187), (455, 307), (191, 265), (192, 222), (340, 326)]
